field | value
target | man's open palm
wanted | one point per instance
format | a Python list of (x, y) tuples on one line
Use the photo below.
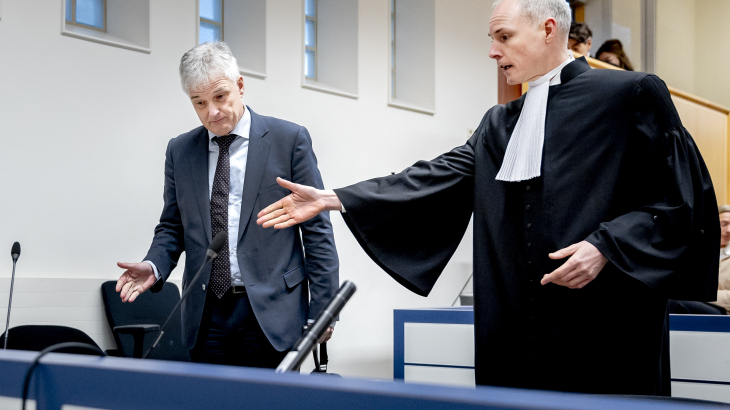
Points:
[(137, 278), (304, 203)]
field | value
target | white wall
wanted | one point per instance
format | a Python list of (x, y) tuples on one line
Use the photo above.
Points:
[(84, 128)]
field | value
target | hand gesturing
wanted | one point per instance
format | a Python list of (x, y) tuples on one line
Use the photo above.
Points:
[(302, 204)]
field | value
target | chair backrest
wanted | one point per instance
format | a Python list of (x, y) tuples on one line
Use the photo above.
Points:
[(148, 308), (38, 337)]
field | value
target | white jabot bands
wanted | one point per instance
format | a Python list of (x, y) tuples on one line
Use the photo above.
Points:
[(523, 157)]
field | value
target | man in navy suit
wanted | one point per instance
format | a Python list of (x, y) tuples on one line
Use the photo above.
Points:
[(250, 307)]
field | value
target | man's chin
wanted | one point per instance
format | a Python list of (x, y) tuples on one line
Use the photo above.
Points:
[(511, 80)]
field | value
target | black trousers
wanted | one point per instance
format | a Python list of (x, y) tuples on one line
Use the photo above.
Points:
[(230, 334)]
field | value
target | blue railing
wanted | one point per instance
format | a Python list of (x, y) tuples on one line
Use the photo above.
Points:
[(116, 383)]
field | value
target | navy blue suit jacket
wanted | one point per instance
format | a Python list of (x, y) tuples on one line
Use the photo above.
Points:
[(281, 268)]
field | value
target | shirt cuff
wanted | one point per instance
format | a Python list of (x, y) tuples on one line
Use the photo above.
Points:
[(154, 268), (343, 207)]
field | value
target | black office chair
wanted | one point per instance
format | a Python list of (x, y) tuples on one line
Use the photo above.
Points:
[(136, 325), (38, 337)]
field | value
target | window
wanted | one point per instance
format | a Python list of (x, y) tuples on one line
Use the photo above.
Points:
[(118, 23), (412, 55), (330, 46), (392, 48), (246, 38), (87, 13), (211, 21), (310, 39)]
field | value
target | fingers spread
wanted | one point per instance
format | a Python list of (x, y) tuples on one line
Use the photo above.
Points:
[(286, 184), (276, 221), (264, 215), (126, 291), (565, 252), (122, 280)]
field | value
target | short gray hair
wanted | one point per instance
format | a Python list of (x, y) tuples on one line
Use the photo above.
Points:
[(540, 10), (205, 63), (724, 208)]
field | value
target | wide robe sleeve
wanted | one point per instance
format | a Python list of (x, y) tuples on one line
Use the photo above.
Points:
[(411, 223), (670, 241)]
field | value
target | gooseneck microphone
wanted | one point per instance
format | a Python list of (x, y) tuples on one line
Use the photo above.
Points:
[(218, 243), (308, 341), (15, 253)]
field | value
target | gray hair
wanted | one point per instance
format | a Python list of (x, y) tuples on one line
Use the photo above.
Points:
[(724, 208), (540, 10), (205, 63)]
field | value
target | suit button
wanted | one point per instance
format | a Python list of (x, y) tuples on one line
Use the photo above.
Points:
[(529, 244), (702, 231), (527, 188), (656, 217), (527, 207), (203, 286), (529, 226), (529, 262)]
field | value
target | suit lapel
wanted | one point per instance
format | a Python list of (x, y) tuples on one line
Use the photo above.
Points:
[(198, 163), (258, 152)]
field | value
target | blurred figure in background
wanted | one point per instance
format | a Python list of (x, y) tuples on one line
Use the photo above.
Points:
[(612, 52), (580, 38)]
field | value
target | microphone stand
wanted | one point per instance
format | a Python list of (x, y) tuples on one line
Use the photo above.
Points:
[(308, 341), (10, 303), (209, 256)]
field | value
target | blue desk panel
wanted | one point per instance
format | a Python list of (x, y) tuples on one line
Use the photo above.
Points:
[(117, 383)]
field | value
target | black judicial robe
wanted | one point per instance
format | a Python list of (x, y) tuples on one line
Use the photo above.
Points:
[(618, 170)]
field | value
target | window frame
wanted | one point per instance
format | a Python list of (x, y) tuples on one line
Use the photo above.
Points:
[(307, 48), (392, 49), (77, 24), (221, 25)]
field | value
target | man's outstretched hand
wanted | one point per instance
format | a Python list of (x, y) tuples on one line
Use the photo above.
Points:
[(137, 278), (584, 264), (302, 204)]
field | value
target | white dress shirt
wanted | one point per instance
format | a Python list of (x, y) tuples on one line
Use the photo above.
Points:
[(238, 154)]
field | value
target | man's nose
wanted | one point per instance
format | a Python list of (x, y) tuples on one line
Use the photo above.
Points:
[(494, 52), (213, 110)]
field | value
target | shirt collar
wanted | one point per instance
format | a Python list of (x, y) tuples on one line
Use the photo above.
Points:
[(240, 129), (557, 78)]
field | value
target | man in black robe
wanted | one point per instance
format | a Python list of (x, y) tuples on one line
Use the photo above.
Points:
[(573, 267)]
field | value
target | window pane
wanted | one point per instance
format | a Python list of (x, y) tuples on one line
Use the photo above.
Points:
[(211, 10), (310, 8), (309, 64), (90, 12), (310, 39), (69, 11), (209, 32)]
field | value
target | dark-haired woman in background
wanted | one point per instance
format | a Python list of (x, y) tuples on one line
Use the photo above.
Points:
[(612, 52)]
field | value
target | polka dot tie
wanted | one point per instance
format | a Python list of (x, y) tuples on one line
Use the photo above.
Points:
[(220, 277)]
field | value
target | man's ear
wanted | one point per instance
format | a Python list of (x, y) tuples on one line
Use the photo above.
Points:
[(588, 44), (551, 29), (239, 83)]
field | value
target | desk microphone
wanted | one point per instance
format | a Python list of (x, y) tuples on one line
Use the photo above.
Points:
[(15, 253), (308, 341), (218, 243)]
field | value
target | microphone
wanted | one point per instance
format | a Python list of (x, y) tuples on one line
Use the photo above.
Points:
[(15, 254), (218, 243), (308, 341)]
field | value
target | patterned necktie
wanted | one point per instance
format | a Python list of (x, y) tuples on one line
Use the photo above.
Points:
[(220, 278)]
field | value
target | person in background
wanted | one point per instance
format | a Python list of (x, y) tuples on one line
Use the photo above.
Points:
[(580, 38), (723, 291), (612, 52)]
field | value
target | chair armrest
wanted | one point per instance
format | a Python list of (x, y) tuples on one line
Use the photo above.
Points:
[(132, 329)]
